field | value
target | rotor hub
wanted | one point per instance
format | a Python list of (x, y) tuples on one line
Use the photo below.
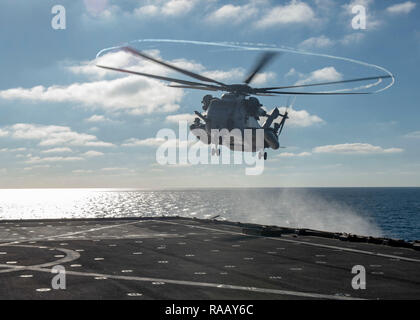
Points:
[(240, 88)]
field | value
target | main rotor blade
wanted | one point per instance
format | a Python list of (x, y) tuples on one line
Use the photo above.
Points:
[(186, 72), (323, 83), (154, 76), (316, 93), (207, 88), (265, 95), (262, 62)]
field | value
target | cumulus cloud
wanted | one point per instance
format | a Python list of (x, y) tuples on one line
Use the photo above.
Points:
[(172, 8), (238, 75), (297, 118), (4, 133), (115, 92), (317, 42), (92, 153), (293, 155), (263, 77), (401, 8), (117, 59), (322, 75), (101, 8), (300, 118), (294, 12), (12, 150), (355, 148), (176, 118), (155, 142), (352, 38), (149, 142), (97, 118), (230, 13), (57, 150), (34, 159), (135, 95), (55, 135), (110, 169)]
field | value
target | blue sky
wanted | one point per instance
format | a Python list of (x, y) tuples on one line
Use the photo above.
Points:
[(65, 123)]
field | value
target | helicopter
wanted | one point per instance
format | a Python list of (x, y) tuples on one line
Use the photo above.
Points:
[(237, 109)]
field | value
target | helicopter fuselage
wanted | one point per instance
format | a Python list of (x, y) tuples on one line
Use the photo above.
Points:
[(233, 121)]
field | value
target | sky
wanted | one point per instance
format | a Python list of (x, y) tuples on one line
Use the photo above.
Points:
[(65, 123)]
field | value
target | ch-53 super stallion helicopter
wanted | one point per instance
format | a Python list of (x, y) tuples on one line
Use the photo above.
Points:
[(235, 109)]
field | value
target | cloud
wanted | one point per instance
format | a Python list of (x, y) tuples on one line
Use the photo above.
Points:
[(57, 150), (53, 159), (177, 7), (300, 118), (293, 155), (322, 75), (355, 148), (114, 169), (12, 150), (223, 75), (54, 135), (155, 142), (172, 8), (325, 42), (317, 42), (115, 92), (238, 74), (39, 166), (134, 95), (293, 72), (263, 77), (230, 13), (294, 12), (3, 133), (117, 59), (352, 38), (401, 8), (81, 171), (91, 154), (101, 8), (176, 118), (97, 118), (413, 135), (131, 94), (149, 142), (147, 10)]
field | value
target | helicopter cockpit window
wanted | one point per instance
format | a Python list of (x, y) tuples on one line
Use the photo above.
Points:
[(206, 101), (252, 106)]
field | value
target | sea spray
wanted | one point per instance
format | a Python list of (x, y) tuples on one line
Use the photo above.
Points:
[(302, 208)]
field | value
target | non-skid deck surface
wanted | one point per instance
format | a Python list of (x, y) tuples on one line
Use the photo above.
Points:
[(193, 259)]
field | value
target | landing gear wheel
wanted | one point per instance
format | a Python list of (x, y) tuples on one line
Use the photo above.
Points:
[(265, 155)]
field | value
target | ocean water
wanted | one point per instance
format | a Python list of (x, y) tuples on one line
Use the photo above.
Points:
[(389, 212)]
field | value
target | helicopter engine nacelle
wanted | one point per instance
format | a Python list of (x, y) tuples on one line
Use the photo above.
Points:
[(225, 113)]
